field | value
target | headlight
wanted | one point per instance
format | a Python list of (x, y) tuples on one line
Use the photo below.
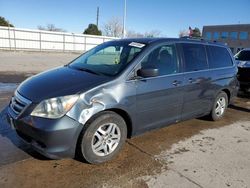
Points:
[(55, 107)]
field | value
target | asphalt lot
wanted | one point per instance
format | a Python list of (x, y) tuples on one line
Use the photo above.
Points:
[(194, 153), (32, 62)]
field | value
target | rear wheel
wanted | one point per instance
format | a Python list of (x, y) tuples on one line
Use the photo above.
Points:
[(103, 138), (219, 107)]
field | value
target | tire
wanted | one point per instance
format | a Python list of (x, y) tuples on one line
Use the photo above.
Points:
[(219, 106), (103, 138)]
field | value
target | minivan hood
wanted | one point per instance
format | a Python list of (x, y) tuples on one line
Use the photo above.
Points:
[(57, 82)]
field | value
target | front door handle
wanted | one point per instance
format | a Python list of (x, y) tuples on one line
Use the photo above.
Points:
[(176, 83)]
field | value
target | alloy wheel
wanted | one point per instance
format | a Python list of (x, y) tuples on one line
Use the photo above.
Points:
[(220, 106), (106, 139)]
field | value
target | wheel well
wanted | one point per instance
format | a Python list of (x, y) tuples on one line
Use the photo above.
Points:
[(120, 112), (228, 94), (126, 118)]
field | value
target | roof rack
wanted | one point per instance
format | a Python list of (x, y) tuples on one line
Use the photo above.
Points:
[(202, 39), (193, 38)]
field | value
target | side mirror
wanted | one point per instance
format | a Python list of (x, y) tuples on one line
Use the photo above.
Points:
[(148, 72)]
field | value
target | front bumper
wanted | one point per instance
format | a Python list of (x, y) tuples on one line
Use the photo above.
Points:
[(53, 138)]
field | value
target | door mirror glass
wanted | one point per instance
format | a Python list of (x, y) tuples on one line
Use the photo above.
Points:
[(148, 72)]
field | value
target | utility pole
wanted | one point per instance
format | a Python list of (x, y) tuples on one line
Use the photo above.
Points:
[(124, 19), (97, 17)]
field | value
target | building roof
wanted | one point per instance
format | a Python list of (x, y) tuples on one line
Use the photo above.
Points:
[(232, 25)]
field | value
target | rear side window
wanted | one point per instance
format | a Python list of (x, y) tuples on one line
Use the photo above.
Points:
[(219, 57), (195, 57)]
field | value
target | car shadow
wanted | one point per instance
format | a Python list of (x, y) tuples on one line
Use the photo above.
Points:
[(9, 133), (243, 94), (239, 108)]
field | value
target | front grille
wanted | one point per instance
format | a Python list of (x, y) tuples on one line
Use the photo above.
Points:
[(244, 74), (19, 103)]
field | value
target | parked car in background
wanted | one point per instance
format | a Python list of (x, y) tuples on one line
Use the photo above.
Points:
[(120, 89), (243, 62)]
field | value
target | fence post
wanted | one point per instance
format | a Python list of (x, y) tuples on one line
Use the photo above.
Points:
[(74, 41), (40, 39), (85, 47), (9, 37), (14, 34), (63, 42)]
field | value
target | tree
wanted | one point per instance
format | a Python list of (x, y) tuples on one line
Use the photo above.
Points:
[(113, 27), (183, 33), (92, 30), (196, 32), (153, 33), (50, 27), (134, 34), (4, 22)]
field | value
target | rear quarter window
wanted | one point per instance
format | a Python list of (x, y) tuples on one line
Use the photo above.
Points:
[(218, 57)]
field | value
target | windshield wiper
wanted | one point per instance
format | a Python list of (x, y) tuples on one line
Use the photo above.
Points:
[(88, 70)]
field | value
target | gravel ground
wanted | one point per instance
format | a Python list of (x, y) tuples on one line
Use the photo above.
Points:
[(32, 62)]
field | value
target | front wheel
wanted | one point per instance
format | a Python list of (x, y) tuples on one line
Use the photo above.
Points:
[(219, 107), (103, 138)]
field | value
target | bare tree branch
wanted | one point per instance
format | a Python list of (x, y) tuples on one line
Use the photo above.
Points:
[(50, 27), (153, 33), (113, 27), (134, 34), (183, 33)]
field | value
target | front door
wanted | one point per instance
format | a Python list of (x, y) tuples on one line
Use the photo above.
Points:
[(159, 99)]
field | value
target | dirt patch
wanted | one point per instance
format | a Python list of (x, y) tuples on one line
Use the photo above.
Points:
[(130, 164)]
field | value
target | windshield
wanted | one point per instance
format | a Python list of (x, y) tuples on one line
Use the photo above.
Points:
[(109, 58), (243, 55)]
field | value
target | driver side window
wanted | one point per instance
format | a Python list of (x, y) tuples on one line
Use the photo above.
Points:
[(163, 58)]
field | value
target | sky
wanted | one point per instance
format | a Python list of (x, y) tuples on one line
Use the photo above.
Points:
[(166, 16)]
